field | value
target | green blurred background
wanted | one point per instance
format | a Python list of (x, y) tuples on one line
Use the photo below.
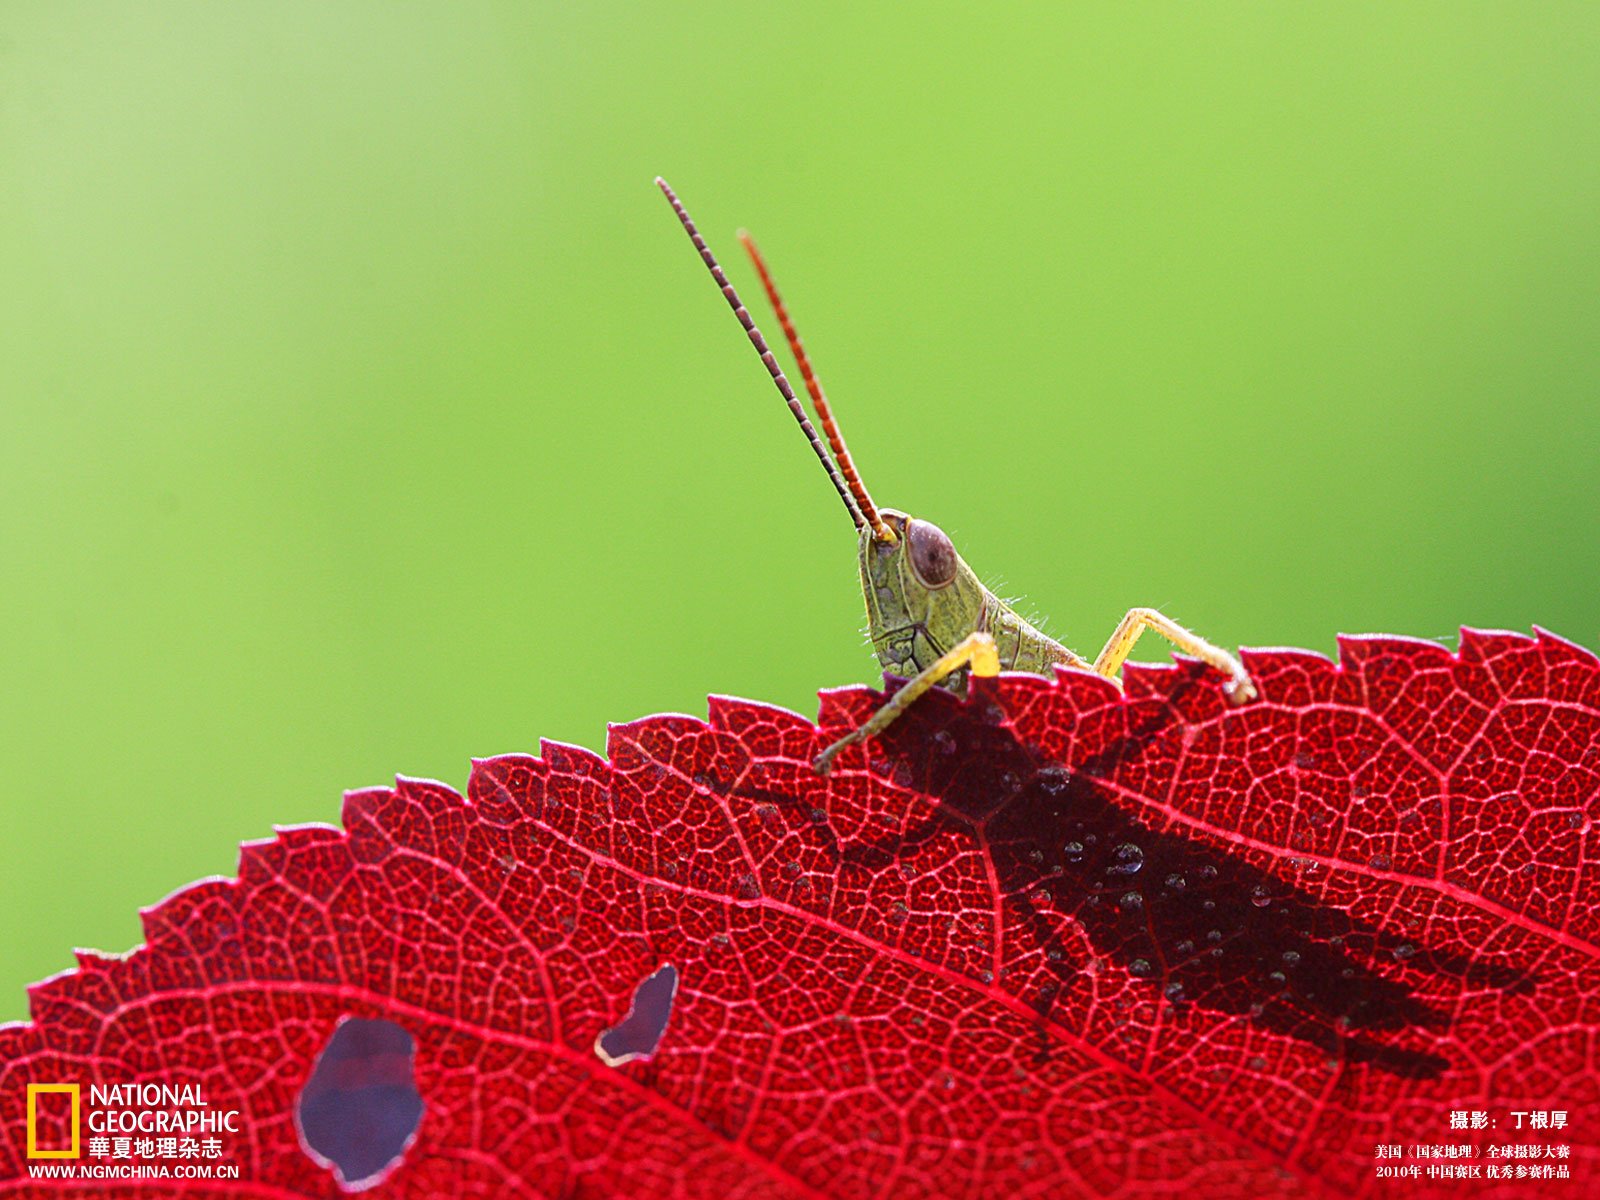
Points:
[(365, 408)]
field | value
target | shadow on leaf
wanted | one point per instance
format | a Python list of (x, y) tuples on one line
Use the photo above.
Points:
[(1201, 927)]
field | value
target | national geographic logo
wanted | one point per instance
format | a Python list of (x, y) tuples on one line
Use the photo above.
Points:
[(126, 1121), (70, 1091)]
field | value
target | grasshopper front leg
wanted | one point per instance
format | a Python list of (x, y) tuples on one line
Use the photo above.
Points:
[(976, 650)]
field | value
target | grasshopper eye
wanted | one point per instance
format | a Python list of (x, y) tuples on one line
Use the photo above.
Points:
[(933, 558)]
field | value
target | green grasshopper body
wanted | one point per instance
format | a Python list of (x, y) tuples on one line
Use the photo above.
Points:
[(922, 599), (929, 617)]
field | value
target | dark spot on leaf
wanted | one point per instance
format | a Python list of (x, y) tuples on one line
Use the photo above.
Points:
[(638, 1034), (360, 1109)]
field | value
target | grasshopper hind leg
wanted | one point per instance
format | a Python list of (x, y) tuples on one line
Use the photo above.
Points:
[(1127, 632)]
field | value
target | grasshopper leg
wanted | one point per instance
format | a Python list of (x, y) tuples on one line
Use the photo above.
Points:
[(976, 650), (1240, 689)]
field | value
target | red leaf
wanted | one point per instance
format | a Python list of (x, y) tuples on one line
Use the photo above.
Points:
[(1053, 941)]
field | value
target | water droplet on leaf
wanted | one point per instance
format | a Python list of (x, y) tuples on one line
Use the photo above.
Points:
[(1129, 858)]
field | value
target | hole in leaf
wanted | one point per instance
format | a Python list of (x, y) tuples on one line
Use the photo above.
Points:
[(359, 1111), (638, 1034)]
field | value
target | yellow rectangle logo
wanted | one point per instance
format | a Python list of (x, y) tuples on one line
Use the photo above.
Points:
[(35, 1090)]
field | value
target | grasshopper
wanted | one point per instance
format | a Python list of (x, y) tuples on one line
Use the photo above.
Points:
[(928, 615)]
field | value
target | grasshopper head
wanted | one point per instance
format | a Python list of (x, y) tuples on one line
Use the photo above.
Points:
[(922, 598)]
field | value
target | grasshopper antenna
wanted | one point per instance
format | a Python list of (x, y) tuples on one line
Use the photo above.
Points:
[(841, 452), (767, 359)]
